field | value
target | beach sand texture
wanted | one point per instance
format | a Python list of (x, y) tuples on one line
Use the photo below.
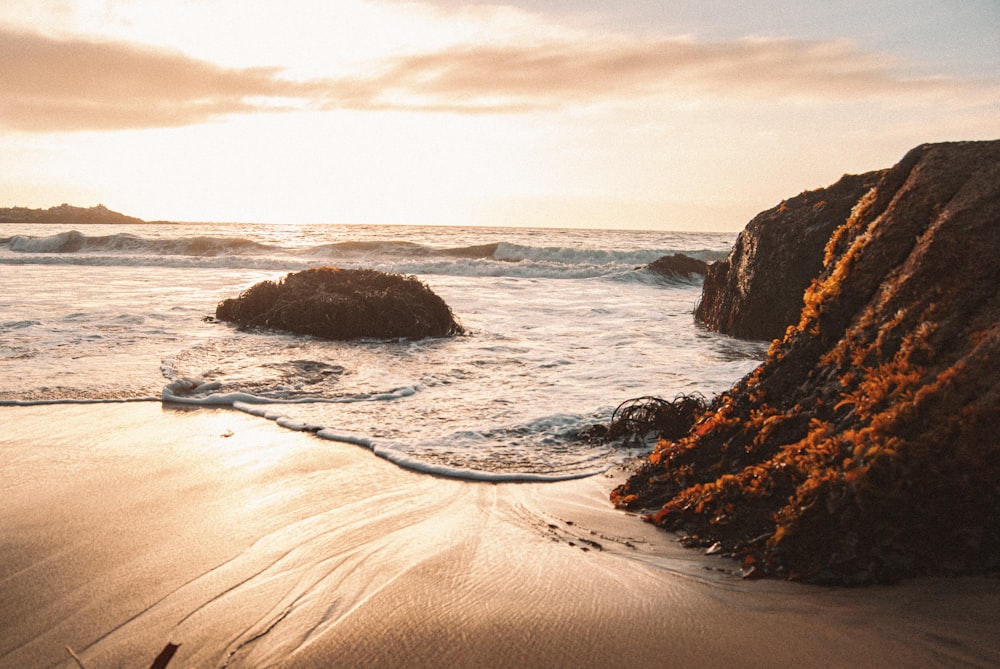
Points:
[(124, 527)]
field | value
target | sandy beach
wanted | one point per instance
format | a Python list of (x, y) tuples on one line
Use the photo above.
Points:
[(127, 526)]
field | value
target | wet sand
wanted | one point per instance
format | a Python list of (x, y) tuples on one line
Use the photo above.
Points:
[(124, 527)]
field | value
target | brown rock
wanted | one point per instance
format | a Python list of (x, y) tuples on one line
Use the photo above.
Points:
[(864, 448), (756, 292), (335, 303), (678, 266)]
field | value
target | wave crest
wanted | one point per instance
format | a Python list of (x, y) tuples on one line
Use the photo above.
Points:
[(398, 255), (74, 241)]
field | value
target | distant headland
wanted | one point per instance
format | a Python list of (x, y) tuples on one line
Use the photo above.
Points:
[(65, 213)]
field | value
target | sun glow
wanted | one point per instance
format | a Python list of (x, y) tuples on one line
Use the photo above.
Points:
[(390, 167), (438, 112)]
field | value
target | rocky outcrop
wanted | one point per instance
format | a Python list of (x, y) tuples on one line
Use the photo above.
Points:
[(335, 303), (756, 292), (678, 266), (65, 213), (864, 448)]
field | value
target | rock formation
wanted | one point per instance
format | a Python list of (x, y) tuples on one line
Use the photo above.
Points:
[(336, 303), (756, 292), (678, 266), (864, 448), (65, 213)]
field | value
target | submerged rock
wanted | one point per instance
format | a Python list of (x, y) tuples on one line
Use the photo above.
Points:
[(678, 265), (336, 303), (864, 448), (756, 292)]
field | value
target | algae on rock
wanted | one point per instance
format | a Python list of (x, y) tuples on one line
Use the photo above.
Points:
[(865, 447), (335, 303)]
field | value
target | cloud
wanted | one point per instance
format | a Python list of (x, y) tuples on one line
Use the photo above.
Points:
[(554, 74), (53, 84)]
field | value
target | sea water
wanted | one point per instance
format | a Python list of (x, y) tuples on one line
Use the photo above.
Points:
[(561, 326)]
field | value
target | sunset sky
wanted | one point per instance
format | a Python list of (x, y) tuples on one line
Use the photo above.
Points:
[(663, 114)]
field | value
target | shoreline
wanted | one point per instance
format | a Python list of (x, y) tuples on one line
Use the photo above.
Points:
[(128, 526)]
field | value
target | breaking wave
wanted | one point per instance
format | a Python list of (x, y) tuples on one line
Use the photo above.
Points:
[(490, 259)]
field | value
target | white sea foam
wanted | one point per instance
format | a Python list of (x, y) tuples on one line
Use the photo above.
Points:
[(420, 465), (562, 325), (198, 392)]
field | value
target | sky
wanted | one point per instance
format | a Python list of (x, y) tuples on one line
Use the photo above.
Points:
[(638, 114)]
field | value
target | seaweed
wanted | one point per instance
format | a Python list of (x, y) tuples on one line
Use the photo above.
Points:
[(635, 420)]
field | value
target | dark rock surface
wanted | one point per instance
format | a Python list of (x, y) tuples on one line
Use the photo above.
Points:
[(678, 266), (865, 447), (756, 292), (342, 304)]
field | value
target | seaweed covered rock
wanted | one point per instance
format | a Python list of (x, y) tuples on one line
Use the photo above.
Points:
[(865, 447), (678, 266), (336, 303), (756, 292)]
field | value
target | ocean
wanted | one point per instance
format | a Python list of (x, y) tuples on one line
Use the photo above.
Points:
[(561, 326)]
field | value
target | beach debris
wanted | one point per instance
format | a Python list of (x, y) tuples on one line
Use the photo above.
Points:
[(165, 656), (576, 535), (76, 658), (161, 661), (343, 304)]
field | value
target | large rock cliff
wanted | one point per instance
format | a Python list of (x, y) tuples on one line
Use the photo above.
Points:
[(756, 292), (865, 447)]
